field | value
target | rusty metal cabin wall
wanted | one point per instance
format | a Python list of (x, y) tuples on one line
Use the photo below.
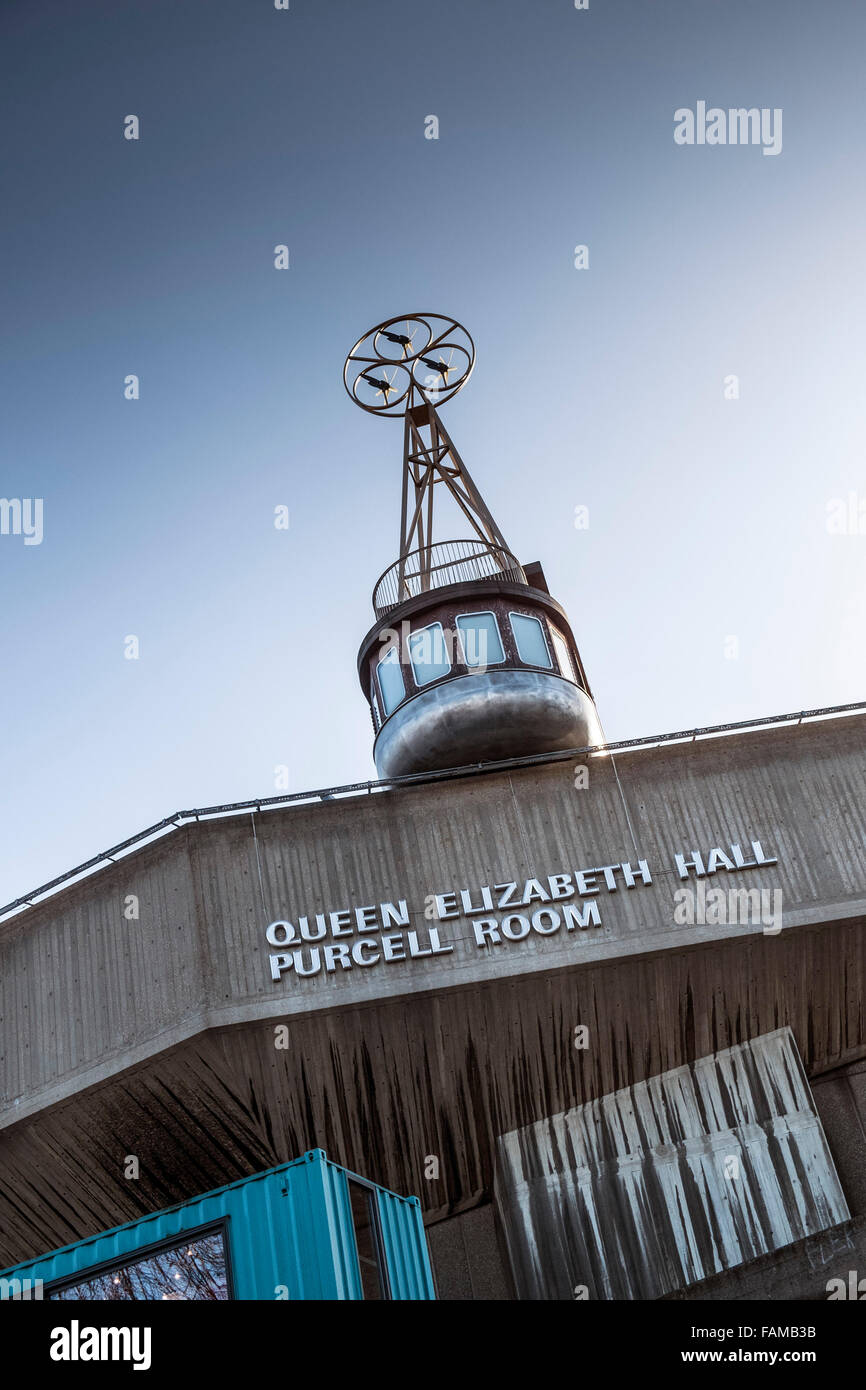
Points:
[(669, 1182)]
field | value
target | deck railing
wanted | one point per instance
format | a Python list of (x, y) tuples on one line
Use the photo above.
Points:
[(446, 562)]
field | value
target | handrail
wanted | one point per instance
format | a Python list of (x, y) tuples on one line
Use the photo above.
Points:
[(445, 562), (473, 769)]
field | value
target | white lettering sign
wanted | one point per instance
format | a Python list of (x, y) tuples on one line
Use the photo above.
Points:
[(514, 910)]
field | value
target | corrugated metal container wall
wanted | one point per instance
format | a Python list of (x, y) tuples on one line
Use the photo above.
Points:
[(343, 1256), (406, 1245), (288, 1228)]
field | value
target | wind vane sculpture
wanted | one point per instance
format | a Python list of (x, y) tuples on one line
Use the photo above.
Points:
[(470, 659), (408, 366)]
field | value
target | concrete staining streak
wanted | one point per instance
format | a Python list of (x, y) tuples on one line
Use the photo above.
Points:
[(672, 1180)]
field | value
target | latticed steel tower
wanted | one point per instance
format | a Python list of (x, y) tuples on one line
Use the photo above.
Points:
[(470, 659)]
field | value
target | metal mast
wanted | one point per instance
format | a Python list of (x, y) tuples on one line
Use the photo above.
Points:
[(408, 366)]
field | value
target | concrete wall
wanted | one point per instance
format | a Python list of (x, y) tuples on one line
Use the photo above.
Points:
[(469, 1261), (671, 1180), (85, 993), (804, 1271), (156, 1037)]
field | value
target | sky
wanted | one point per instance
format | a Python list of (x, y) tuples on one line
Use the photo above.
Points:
[(717, 578)]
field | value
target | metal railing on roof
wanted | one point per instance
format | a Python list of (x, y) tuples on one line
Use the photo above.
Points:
[(181, 818), (445, 562)]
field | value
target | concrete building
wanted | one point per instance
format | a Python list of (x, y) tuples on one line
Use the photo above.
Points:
[(158, 1034), (599, 1007)]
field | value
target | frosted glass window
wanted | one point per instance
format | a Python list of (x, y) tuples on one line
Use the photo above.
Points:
[(390, 680), (563, 655), (429, 653), (529, 636), (480, 640)]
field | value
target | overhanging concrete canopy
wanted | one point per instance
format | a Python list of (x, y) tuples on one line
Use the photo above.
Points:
[(156, 1036)]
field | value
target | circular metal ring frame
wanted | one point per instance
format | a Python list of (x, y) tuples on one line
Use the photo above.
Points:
[(387, 350), (413, 337), (423, 366), (374, 379)]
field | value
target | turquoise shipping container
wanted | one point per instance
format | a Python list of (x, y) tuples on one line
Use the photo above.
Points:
[(308, 1229)]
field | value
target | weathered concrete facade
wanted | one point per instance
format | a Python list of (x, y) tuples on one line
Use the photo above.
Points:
[(669, 1181), (155, 1036)]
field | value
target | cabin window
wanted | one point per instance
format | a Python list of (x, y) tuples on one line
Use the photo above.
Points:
[(390, 679), (531, 644), (563, 655), (480, 640), (195, 1268), (429, 652), (368, 1240)]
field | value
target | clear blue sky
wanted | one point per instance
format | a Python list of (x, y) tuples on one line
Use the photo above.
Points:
[(601, 387)]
